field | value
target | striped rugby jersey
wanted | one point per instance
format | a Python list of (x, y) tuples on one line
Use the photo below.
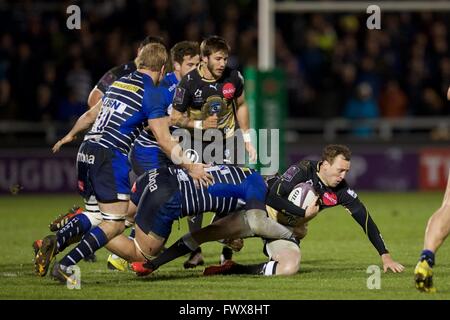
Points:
[(168, 86), (198, 200), (126, 107)]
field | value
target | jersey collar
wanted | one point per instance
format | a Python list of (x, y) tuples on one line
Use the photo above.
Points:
[(202, 74)]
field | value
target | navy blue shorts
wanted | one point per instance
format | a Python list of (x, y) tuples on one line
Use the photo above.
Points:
[(147, 158), (160, 203), (102, 172)]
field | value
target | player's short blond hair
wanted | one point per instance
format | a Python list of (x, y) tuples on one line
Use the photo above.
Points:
[(151, 57)]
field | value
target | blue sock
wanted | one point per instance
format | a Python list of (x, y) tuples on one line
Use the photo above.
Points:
[(78, 225), (91, 242), (429, 256)]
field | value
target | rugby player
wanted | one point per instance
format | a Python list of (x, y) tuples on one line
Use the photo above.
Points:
[(437, 230), (328, 179), (212, 97), (145, 153), (91, 216), (167, 194), (102, 162), (117, 72)]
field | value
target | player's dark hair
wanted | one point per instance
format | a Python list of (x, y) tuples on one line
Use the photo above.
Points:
[(152, 39), (331, 151), (213, 44), (182, 49)]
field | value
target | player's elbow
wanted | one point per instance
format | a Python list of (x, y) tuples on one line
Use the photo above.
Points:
[(94, 97)]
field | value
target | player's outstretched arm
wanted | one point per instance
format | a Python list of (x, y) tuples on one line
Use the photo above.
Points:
[(83, 123), (362, 216)]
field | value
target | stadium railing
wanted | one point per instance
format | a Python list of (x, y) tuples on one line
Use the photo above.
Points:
[(389, 130), (418, 129)]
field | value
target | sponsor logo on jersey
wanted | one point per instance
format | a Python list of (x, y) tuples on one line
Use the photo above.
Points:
[(152, 174), (198, 93), (126, 86), (198, 96), (352, 193), (290, 173), (118, 106), (228, 91), (179, 95), (329, 199), (182, 176), (215, 107), (85, 158), (172, 87), (213, 86), (224, 170)]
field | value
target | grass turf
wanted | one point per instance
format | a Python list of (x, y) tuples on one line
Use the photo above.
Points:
[(335, 258)]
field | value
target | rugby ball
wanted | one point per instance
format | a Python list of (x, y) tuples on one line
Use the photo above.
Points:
[(302, 195)]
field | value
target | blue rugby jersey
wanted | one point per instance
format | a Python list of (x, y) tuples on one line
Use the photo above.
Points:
[(126, 107), (168, 86), (198, 200)]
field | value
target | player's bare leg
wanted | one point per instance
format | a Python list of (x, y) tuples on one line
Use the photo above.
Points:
[(285, 257), (125, 248), (114, 261), (196, 257), (437, 230), (253, 222), (114, 215)]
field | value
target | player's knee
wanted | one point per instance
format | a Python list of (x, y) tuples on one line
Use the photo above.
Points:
[(112, 224), (288, 263), (95, 217)]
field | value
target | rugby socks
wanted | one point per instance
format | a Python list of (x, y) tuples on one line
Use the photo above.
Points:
[(429, 256), (178, 249), (70, 233), (266, 269), (227, 254), (90, 243), (195, 224), (198, 250)]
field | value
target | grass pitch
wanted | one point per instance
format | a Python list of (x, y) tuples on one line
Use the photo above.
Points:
[(335, 258)]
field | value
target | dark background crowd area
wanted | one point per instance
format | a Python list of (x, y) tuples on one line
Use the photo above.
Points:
[(335, 66)]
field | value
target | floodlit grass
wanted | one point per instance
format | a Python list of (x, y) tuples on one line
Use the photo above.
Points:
[(335, 258)]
